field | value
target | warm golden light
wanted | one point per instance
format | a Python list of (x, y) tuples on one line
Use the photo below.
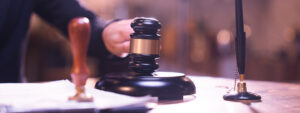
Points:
[(125, 88), (248, 30), (289, 34), (224, 37)]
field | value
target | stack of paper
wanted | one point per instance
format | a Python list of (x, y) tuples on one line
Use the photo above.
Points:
[(24, 97)]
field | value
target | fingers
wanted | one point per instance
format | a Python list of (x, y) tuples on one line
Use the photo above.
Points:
[(116, 37), (126, 36), (127, 33), (126, 46), (123, 49), (127, 30)]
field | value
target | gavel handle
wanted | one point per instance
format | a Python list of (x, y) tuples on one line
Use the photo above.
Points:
[(79, 33)]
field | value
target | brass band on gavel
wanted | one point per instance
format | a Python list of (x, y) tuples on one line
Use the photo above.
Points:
[(144, 46)]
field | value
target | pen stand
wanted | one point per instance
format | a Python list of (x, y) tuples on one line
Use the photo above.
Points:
[(240, 46), (241, 94), (143, 80)]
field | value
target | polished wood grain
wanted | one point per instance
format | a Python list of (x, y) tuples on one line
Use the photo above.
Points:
[(276, 98), (79, 33)]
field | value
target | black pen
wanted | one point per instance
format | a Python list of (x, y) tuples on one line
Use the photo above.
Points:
[(240, 40)]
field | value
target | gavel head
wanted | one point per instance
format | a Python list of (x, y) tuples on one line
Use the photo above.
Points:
[(144, 46)]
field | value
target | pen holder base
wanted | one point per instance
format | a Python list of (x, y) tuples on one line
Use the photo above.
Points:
[(241, 96)]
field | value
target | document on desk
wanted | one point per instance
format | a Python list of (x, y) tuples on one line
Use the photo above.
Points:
[(26, 97)]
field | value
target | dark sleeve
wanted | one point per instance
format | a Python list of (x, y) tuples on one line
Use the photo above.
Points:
[(60, 12)]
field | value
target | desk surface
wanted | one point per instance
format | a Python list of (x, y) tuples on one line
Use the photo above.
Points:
[(276, 98)]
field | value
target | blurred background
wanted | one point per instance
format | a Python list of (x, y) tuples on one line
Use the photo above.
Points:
[(197, 38)]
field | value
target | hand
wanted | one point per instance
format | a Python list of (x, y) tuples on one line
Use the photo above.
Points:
[(116, 37)]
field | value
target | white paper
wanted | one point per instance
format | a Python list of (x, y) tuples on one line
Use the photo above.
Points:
[(54, 95)]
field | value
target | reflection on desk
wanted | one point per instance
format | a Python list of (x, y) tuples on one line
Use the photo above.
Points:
[(276, 98)]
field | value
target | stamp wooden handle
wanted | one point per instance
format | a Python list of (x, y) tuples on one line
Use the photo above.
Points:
[(79, 33)]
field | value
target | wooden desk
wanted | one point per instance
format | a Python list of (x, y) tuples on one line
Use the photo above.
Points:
[(276, 98)]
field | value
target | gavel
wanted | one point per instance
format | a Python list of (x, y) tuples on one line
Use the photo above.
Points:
[(143, 79), (79, 33)]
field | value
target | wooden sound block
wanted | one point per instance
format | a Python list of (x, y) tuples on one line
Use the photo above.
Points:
[(164, 85)]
